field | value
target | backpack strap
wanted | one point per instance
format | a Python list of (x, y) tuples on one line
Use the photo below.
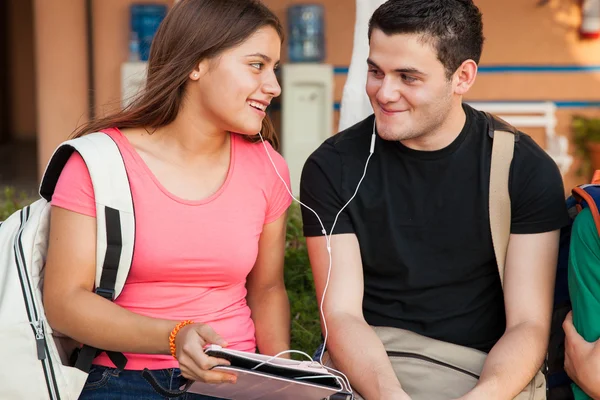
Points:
[(114, 206), (585, 196), (115, 218), (504, 137)]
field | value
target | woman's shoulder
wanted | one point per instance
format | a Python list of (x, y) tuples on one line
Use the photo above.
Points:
[(260, 159), (263, 153)]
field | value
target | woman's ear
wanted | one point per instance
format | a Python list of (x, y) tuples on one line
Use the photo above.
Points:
[(200, 70)]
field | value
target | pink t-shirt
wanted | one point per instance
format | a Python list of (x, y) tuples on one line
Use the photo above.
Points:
[(191, 258)]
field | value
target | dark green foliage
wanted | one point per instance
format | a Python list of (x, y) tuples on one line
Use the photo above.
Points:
[(306, 329), (10, 202)]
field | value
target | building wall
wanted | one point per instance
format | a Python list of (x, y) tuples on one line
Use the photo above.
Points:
[(61, 65), (61, 72), (111, 49), (548, 36), (22, 70), (339, 36), (518, 33)]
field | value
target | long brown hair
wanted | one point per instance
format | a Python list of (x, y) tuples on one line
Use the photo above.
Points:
[(192, 31)]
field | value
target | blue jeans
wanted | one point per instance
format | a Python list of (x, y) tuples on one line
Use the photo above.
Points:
[(105, 383), (317, 353)]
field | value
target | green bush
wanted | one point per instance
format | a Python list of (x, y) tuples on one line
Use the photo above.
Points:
[(585, 131), (306, 328), (11, 202)]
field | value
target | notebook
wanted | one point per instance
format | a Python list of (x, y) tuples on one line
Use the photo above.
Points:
[(281, 379)]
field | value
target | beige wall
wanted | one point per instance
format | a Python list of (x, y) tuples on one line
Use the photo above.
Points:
[(523, 33), (111, 36), (517, 32), (339, 36), (22, 70), (546, 35), (62, 64), (339, 26), (61, 72)]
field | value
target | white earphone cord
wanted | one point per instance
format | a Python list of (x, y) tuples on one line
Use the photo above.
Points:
[(328, 243)]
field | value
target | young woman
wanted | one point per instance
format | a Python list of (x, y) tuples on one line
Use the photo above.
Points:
[(210, 210)]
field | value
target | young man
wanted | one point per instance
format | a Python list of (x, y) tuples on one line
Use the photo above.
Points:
[(582, 327), (413, 250)]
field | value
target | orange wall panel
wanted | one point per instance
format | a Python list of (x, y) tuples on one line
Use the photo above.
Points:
[(521, 32), (111, 49), (61, 82), (517, 33), (339, 27), (22, 70), (543, 86)]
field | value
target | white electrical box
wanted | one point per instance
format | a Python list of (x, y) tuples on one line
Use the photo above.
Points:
[(306, 113), (133, 78)]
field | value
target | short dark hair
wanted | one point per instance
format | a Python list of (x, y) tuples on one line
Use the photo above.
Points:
[(453, 27)]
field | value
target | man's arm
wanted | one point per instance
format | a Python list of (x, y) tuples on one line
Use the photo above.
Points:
[(582, 347), (582, 360), (528, 292), (353, 346)]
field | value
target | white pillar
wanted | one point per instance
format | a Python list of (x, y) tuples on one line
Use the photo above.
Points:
[(355, 102)]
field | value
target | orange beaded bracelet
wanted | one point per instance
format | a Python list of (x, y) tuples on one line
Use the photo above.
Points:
[(173, 335)]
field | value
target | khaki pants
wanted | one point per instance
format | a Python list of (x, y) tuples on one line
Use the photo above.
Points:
[(430, 369)]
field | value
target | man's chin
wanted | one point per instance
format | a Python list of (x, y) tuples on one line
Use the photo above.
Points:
[(392, 132)]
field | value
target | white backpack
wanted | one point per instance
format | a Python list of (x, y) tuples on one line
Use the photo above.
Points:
[(34, 359)]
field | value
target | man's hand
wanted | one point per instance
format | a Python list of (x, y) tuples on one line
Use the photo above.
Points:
[(582, 359)]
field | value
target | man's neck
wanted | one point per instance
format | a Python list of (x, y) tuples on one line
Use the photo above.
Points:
[(443, 135)]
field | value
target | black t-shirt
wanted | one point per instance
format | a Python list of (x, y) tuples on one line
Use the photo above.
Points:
[(422, 222)]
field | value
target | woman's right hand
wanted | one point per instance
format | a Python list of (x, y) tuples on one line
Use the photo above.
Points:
[(193, 362)]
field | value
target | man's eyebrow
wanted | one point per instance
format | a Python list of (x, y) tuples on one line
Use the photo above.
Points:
[(403, 70)]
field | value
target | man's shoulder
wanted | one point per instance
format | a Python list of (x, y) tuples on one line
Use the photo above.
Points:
[(335, 152), (531, 162), (526, 148), (349, 140)]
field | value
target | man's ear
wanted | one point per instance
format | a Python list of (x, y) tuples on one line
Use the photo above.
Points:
[(464, 77)]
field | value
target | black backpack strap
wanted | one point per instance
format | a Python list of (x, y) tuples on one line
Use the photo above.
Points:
[(498, 124), (107, 285), (107, 288), (160, 389), (112, 257), (85, 357)]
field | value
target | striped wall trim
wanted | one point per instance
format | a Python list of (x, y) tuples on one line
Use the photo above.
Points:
[(559, 104), (516, 69)]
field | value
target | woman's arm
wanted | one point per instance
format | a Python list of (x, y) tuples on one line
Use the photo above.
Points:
[(73, 309), (267, 297)]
